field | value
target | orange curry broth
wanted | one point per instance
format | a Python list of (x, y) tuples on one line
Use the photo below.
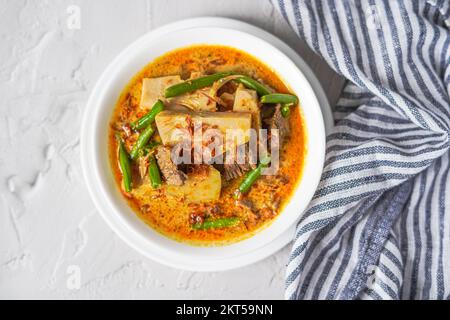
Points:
[(170, 215)]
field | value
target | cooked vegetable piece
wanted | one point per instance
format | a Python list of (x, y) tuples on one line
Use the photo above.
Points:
[(142, 164), (153, 89), (286, 110), (198, 100), (153, 172), (124, 165), (194, 84), (149, 118), (216, 224), (247, 101), (199, 187), (253, 84), (173, 125), (251, 177), (195, 75), (142, 140), (149, 147), (169, 122), (279, 98), (217, 85)]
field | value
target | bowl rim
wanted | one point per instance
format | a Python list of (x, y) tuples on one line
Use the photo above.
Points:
[(121, 226)]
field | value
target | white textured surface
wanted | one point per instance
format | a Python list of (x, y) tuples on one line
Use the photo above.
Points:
[(47, 220)]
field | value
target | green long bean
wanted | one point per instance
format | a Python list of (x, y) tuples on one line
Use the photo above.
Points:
[(279, 98), (149, 118), (286, 109), (252, 176), (124, 165), (142, 140), (253, 84), (194, 84), (149, 147), (153, 172), (215, 224)]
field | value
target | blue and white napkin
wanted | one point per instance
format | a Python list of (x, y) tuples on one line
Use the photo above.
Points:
[(379, 224)]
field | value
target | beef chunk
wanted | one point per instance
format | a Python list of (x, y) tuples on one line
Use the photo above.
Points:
[(169, 169), (234, 170), (230, 171), (280, 123)]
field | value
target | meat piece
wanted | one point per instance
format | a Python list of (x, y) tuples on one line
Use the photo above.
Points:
[(169, 169), (280, 123), (227, 101), (235, 170), (229, 87), (200, 170), (153, 89), (247, 203)]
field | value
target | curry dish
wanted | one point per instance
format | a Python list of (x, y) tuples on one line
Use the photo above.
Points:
[(224, 191)]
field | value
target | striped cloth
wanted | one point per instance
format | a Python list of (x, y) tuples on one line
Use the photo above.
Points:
[(379, 224)]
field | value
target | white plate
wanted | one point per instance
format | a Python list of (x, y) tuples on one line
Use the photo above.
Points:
[(94, 148)]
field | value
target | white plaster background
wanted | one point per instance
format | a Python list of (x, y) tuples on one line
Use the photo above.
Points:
[(47, 220)]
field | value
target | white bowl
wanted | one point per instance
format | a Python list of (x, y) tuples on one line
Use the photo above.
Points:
[(98, 174)]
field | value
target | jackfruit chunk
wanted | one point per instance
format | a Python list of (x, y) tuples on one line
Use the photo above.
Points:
[(153, 89), (234, 127), (198, 100), (198, 187), (247, 101)]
